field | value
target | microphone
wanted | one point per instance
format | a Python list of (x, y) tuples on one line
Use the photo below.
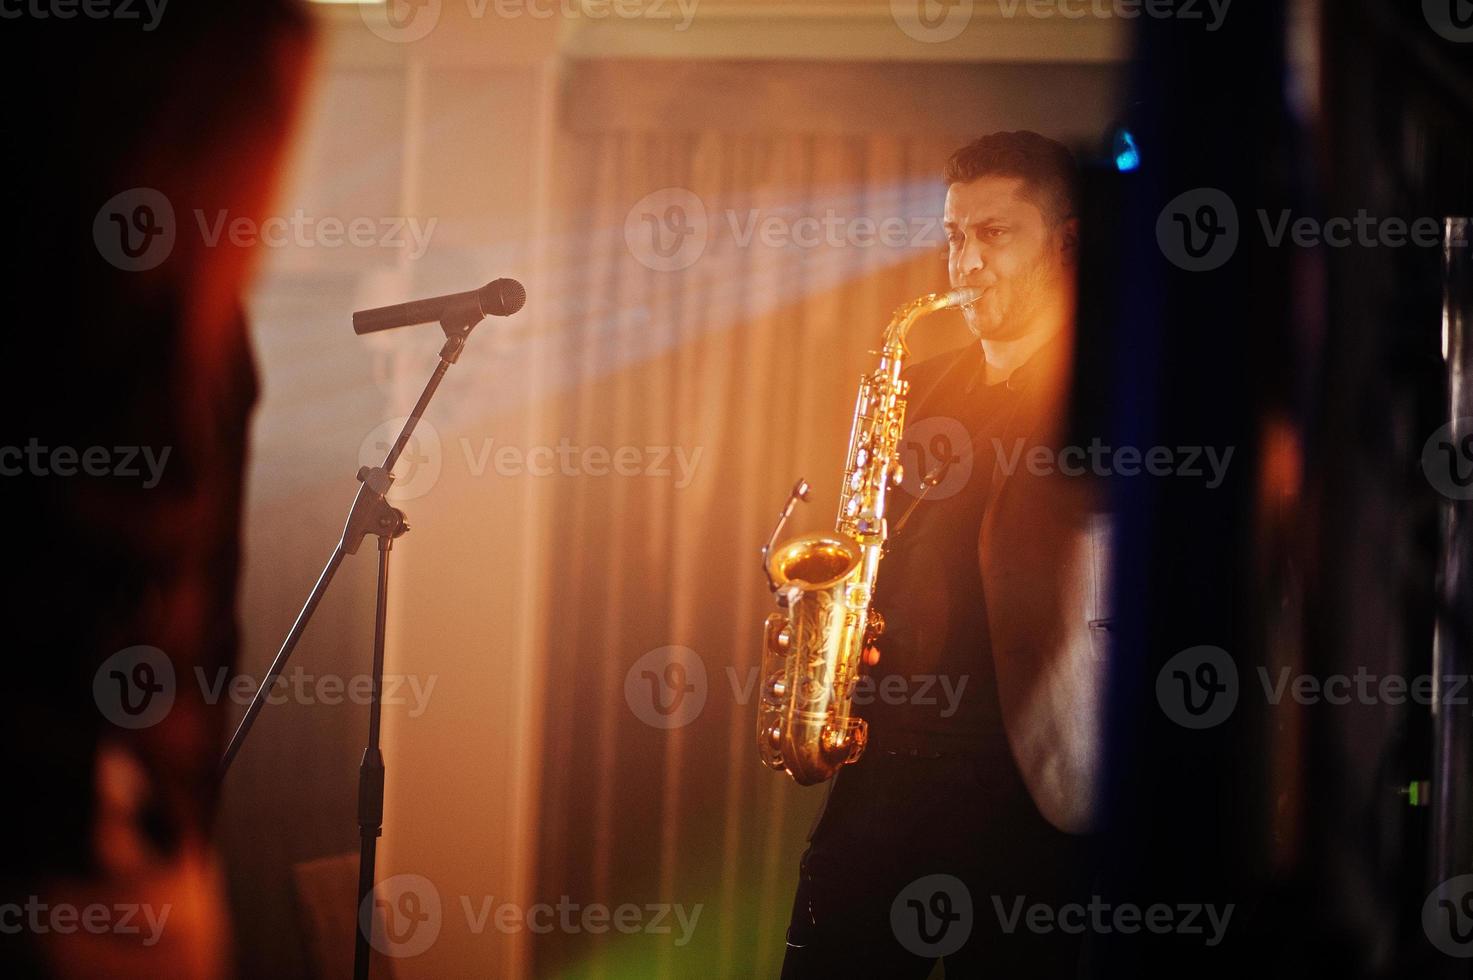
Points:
[(503, 297)]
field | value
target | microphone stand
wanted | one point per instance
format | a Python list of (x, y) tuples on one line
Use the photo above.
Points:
[(372, 514)]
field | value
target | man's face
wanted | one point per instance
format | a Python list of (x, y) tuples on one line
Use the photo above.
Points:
[(999, 241)]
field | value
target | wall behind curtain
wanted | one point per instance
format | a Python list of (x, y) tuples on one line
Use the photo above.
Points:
[(745, 360), (392, 133)]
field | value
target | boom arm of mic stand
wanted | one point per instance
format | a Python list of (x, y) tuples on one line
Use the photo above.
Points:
[(371, 513)]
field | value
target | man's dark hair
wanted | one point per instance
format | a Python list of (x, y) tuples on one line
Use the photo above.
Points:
[(1047, 168)]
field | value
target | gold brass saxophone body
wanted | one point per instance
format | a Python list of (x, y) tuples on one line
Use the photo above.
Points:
[(823, 583)]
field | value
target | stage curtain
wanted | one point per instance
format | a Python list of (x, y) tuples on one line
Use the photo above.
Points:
[(744, 364)]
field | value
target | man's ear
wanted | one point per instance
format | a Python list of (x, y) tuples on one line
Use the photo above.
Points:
[(1068, 232)]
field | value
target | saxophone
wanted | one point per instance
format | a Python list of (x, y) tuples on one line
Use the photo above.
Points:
[(823, 583)]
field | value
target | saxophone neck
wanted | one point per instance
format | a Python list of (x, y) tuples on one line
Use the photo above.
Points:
[(906, 316)]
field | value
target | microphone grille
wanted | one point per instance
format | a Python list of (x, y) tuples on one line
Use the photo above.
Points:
[(502, 297)]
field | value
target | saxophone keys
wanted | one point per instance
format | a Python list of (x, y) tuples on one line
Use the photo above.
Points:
[(778, 631), (874, 627)]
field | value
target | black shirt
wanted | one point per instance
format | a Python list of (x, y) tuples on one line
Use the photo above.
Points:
[(935, 678)]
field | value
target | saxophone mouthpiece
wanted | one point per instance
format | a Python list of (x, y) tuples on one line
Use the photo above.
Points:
[(961, 296)]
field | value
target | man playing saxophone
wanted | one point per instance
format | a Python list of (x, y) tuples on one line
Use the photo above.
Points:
[(965, 809)]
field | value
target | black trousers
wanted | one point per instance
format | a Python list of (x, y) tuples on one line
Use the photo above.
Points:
[(919, 857)]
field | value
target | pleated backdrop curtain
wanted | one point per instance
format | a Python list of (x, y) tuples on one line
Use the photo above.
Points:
[(744, 364)]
